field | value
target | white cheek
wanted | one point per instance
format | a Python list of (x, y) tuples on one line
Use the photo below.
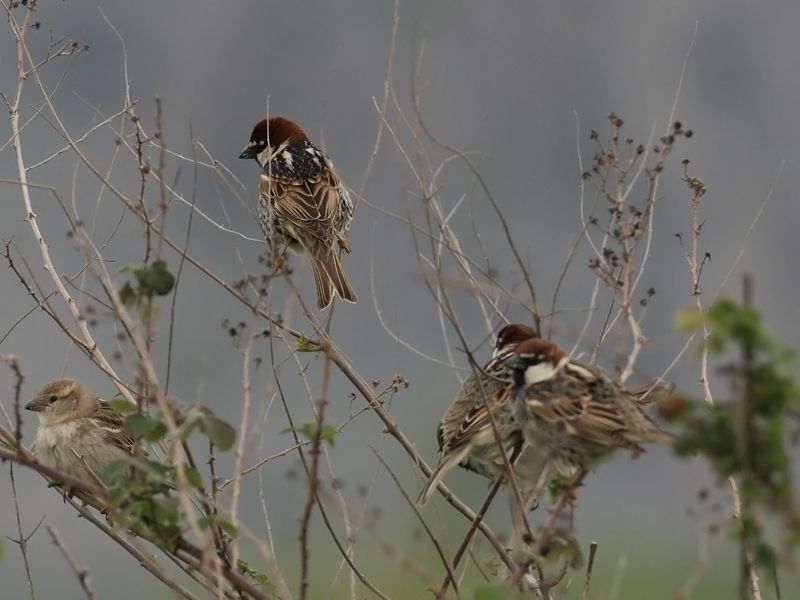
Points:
[(539, 372), (264, 156)]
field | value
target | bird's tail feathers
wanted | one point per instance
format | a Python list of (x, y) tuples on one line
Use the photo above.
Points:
[(329, 277), (441, 469), (322, 283), (659, 436), (430, 486)]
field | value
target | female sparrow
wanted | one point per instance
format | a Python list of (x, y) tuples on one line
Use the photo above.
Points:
[(302, 203), (465, 434), (78, 433)]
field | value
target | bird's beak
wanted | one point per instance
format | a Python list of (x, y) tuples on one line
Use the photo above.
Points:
[(250, 151), (36, 404)]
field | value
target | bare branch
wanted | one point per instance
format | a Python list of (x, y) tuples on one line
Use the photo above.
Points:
[(81, 573)]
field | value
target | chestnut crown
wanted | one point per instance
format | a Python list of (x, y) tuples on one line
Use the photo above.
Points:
[(536, 351), (513, 334), (272, 132)]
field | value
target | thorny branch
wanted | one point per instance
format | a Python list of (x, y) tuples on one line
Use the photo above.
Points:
[(698, 189)]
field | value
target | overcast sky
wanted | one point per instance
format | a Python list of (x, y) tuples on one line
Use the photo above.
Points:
[(517, 85)]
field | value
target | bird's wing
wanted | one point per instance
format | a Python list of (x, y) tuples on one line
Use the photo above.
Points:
[(580, 414), (112, 426), (308, 204), (473, 426)]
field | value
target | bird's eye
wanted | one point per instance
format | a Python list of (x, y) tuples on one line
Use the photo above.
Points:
[(53, 398)]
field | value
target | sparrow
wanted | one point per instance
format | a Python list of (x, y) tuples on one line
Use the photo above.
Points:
[(574, 411), (302, 203), (78, 433), (465, 434)]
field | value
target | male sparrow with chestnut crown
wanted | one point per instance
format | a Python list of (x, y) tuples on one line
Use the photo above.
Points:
[(465, 434), (78, 433), (302, 203), (574, 411)]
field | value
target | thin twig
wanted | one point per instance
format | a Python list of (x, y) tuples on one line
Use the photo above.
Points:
[(146, 559), (465, 543), (13, 364), (448, 567), (181, 264), (392, 428), (698, 190), (313, 481), (589, 567), (22, 54), (384, 103), (81, 573), (238, 460), (22, 541), (320, 506)]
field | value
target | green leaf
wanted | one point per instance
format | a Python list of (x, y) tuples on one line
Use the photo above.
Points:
[(303, 344), (157, 433), (766, 389), (309, 430), (159, 469), (193, 477), (129, 268), (221, 434), (206, 522), (689, 319), (116, 496), (328, 433), (128, 295), (260, 578), (156, 278), (187, 427), (116, 471), (141, 426), (223, 524), (123, 405), (191, 420), (228, 527)]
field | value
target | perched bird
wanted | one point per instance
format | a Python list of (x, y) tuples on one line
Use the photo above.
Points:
[(78, 433), (574, 411), (465, 434), (302, 203)]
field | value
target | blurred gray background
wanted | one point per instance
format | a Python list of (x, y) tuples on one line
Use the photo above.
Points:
[(504, 80)]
